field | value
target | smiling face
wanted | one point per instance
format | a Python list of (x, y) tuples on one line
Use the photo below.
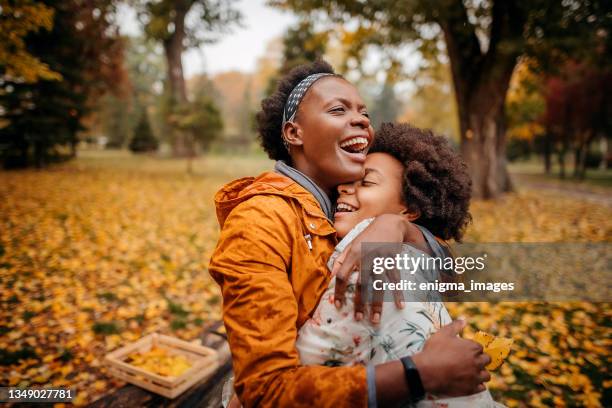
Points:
[(331, 133), (379, 192)]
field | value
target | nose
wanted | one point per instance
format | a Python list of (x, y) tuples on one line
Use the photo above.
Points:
[(361, 120), (346, 189)]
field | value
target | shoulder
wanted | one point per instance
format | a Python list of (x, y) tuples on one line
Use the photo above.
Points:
[(265, 206)]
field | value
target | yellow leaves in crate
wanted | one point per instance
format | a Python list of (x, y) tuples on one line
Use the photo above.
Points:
[(160, 361), (498, 348)]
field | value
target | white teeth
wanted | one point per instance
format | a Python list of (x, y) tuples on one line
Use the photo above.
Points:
[(345, 207), (355, 140)]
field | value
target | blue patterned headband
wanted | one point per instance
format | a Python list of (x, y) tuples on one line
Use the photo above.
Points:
[(296, 95)]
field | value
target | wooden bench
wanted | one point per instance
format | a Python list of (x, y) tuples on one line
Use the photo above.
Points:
[(207, 393)]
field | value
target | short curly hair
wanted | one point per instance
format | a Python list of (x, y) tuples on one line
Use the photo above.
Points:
[(270, 117), (435, 181)]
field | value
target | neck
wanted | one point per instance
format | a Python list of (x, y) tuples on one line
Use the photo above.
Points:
[(301, 165)]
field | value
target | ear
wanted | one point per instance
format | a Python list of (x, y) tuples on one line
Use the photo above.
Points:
[(410, 215), (293, 134)]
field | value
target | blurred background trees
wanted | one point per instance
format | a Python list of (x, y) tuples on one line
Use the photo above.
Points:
[(505, 80), (143, 140), (166, 22), (76, 58), (483, 41)]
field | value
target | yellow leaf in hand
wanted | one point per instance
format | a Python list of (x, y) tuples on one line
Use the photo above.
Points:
[(498, 348), (483, 338)]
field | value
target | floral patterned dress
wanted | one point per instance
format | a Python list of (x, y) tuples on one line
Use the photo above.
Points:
[(333, 337)]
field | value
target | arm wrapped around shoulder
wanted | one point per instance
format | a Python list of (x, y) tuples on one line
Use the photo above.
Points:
[(251, 264)]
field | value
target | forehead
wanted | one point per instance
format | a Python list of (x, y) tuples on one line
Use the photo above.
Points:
[(385, 164), (330, 88)]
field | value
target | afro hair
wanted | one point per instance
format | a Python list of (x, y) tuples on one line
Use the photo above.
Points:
[(270, 117), (435, 181)]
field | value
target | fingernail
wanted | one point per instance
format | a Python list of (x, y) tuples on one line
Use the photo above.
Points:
[(338, 304), (376, 318), (402, 304), (358, 316)]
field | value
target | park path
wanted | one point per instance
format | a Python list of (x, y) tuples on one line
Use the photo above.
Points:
[(597, 195)]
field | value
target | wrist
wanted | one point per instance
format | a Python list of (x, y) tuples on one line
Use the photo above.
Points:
[(426, 372), (413, 379)]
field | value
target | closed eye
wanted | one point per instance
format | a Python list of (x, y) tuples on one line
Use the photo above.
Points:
[(338, 109)]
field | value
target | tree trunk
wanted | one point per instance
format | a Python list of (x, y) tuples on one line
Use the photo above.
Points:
[(483, 135), (483, 149), (562, 153), (481, 80), (547, 152), (173, 47)]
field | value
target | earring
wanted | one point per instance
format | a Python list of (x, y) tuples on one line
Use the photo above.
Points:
[(286, 143)]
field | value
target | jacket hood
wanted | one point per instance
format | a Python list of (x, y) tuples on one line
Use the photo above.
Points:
[(242, 189)]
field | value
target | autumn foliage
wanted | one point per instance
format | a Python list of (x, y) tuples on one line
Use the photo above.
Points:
[(101, 251)]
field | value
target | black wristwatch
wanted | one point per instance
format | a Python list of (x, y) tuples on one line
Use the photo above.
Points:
[(417, 392)]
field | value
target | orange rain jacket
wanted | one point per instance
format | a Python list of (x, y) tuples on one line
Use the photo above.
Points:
[(271, 282)]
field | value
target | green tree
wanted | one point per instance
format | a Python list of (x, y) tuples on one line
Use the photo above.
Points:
[(42, 117), (200, 120), (166, 21), (143, 140), (483, 41)]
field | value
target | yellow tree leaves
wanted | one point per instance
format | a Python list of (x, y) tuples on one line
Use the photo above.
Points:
[(16, 21)]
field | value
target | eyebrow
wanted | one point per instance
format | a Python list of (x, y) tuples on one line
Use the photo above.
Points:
[(345, 102), (371, 170)]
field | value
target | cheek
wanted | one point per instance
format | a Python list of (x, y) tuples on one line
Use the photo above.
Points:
[(371, 201), (374, 201)]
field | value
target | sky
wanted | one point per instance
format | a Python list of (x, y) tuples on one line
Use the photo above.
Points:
[(238, 50)]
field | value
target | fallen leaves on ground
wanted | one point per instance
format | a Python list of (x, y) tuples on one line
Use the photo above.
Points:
[(95, 256)]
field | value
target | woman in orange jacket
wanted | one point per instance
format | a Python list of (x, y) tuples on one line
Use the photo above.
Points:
[(276, 237)]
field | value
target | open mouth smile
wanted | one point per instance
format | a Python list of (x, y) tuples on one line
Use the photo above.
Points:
[(356, 144), (343, 207)]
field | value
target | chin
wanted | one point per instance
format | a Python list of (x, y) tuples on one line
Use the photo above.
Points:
[(350, 175), (342, 228)]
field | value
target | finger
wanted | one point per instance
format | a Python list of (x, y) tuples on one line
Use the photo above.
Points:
[(454, 328), (398, 296), (358, 300), (376, 308), (339, 291), (483, 360), (480, 388), (343, 274), (484, 376), (339, 261), (477, 347)]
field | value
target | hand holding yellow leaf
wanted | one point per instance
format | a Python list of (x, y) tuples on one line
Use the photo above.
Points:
[(498, 348)]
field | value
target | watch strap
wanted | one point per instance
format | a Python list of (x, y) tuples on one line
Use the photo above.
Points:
[(413, 378)]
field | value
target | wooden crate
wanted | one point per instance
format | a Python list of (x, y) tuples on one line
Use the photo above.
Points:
[(204, 362)]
